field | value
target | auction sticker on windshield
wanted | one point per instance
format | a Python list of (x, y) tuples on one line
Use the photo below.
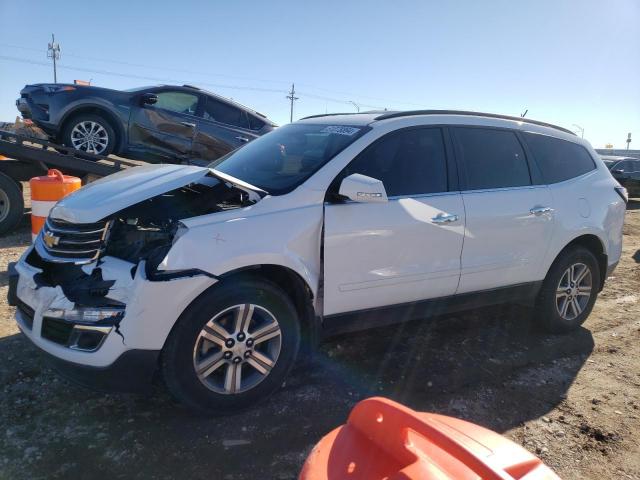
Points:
[(340, 130)]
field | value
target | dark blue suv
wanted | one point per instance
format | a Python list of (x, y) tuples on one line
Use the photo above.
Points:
[(159, 124)]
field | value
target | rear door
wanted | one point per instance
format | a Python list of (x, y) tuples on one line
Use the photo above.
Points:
[(166, 128), (509, 217), (403, 250), (223, 127)]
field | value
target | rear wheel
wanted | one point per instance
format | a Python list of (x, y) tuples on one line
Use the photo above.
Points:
[(11, 203), (90, 133), (232, 347), (569, 291)]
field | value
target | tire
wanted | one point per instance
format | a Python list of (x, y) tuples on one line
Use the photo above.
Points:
[(99, 130), (212, 394), (549, 307), (11, 203)]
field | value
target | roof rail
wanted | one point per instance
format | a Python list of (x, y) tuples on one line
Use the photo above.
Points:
[(186, 85), (474, 114), (344, 113), (328, 115)]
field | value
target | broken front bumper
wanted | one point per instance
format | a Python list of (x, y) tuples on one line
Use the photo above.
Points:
[(131, 338)]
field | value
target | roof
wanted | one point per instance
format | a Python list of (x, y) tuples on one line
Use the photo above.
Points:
[(366, 118)]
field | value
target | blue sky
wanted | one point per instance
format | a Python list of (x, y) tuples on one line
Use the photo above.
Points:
[(566, 61)]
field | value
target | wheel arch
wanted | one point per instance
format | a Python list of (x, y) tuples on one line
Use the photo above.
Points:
[(100, 110), (595, 245), (293, 285)]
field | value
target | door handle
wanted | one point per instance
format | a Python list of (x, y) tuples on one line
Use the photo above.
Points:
[(242, 139), (188, 124), (445, 218), (537, 211)]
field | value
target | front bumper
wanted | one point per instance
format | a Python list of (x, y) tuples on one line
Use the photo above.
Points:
[(132, 372), (132, 345)]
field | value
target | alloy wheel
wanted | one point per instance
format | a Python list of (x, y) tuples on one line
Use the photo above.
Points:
[(237, 349), (90, 137), (574, 291)]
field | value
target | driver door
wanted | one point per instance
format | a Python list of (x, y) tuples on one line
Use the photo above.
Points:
[(407, 248), (167, 127)]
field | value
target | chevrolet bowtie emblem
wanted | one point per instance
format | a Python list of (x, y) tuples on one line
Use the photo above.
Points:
[(50, 240)]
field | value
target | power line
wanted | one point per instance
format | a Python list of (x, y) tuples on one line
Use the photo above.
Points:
[(140, 77), (192, 72), (176, 81)]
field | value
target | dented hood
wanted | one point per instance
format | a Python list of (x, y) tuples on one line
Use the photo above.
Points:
[(111, 194)]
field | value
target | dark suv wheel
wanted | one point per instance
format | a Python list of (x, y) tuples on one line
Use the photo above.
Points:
[(90, 133), (569, 291), (232, 347)]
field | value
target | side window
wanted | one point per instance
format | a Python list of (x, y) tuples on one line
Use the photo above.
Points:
[(179, 102), (635, 166), (225, 113), (558, 159), (255, 123), (408, 162), (491, 158)]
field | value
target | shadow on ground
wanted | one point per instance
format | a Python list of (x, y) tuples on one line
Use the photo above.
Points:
[(489, 366)]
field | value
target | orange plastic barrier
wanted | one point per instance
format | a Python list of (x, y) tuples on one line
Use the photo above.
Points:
[(45, 192), (385, 440)]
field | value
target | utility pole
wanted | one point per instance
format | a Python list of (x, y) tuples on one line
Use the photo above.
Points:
[(628, 140), (293, 98), (54, 52)]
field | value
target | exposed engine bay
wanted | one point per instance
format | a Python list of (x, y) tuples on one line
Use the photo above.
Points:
[(145, 231)]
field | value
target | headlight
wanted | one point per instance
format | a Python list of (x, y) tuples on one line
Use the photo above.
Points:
[(58, 88), (87, 315)]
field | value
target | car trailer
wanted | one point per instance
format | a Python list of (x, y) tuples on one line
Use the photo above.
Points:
[(29, 157)]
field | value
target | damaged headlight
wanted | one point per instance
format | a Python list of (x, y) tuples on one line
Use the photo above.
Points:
[(106, 315)]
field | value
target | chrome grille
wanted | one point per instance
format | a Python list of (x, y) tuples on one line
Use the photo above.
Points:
[(79, 243)]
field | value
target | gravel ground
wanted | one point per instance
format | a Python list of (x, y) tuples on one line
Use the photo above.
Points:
[(572, 399)]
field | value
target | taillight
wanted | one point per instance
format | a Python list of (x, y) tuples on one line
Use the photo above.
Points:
[(623, 193)]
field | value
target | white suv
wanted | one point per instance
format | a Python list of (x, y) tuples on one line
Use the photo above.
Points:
[(218, 277)]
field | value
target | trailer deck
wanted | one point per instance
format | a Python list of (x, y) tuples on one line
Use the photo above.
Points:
[(28, 157)]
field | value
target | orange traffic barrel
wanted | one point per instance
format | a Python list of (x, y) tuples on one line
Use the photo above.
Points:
[(45, 192), (386, 440)]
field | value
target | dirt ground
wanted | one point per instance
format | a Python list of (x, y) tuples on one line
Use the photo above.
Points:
[(572, 399)]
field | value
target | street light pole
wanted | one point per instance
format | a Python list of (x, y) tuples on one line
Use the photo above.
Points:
[(580, 128), (355, 105)]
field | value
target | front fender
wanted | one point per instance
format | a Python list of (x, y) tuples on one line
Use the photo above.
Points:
[(289, 238)]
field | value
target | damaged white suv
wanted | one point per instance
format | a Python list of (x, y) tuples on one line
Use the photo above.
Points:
[(218, 277)]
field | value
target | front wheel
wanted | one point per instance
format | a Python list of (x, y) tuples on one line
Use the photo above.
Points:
[(90, 133), (569, 291), (232, 347)]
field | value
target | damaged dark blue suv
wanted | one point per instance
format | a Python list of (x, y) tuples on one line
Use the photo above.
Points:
[(158, 124)]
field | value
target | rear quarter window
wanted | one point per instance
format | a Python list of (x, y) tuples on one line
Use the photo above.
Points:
[(559, 160)]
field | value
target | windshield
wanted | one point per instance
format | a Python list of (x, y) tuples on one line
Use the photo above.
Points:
[(281, 160)]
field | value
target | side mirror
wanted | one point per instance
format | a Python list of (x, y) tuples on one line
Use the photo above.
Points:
[(148, 98), (619, 171), (361, 188)]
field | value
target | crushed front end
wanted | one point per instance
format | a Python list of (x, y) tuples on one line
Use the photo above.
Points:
[(92, 297)]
